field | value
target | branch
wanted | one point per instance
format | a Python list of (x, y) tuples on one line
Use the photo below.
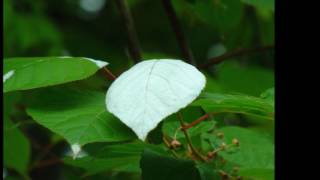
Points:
[(133, 43), (194, 151), (166, 142), (235, 53), (175, 25), (206, 116), (108, 74), (45, 151), (46, 163)]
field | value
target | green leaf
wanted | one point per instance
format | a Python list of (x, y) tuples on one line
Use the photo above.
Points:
[(79, 116), (217, 13), (257, 174), (94, 165), (216, 50), (171, 124), (267, 29), (268, 94), (119, 157), (156, 136), (214, 102), (265, 5), (212, 85), (29, 73), (249, 80), (207, 172), (155, 166), (29, 33), (255, 151), (267, 129), (170, 128), (16, 147), (190, 114)]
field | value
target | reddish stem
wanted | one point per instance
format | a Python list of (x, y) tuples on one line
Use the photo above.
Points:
[(185, 132), (109, 74), (206, 116)]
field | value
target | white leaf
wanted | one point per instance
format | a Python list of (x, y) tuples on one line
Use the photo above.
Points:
[(152, 90)]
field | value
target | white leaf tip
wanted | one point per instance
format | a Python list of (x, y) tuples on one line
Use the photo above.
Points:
[(99, 63), (76, 149), (7, 75)]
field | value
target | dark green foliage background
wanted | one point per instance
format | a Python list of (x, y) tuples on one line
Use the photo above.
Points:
[(35, 28)]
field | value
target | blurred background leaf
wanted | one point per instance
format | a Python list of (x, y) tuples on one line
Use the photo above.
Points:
[(16, 151)]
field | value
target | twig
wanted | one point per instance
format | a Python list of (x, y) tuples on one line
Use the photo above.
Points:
[(194, 151), (204, 117), (133, 43), (169, 147), (46, 163), (108, 73), (175, 25), (235, 53), (36, 145), (46, 151)]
